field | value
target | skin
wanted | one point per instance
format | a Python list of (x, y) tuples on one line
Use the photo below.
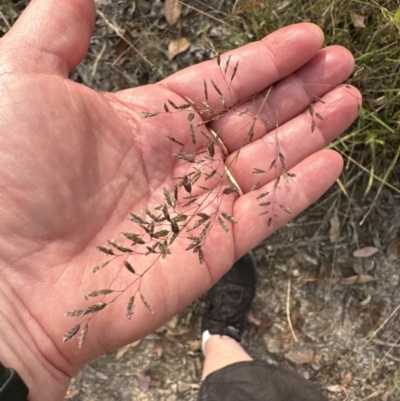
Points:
[(75, 162)]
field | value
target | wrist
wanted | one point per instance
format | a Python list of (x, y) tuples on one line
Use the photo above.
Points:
[(19, 350)]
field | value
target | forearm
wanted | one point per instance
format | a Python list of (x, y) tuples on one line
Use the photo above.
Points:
[(19, 350)]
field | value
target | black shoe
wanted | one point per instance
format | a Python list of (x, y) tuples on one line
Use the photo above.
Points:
[(230, 299)]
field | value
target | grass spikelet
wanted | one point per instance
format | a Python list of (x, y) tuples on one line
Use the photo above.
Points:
[(263, 213), (216, 88), (164, 249), (145, 303), (135, 238), (250, 134), (170, 197), (229, 190), (100, 266), (98, 293), (107, 251), (211, 149), (205, 89), (120, 247), (187, 184), (229, 218), (199, 252), (130, 306), (283, 161), (148, 114), (160, 234), (262, 195), (286, 209), (179, 218), (199, 222), (83, 334), (191, 200), (227, 64), (235, 70), (185, 156), (151, 214), (175, 140), (210, 175), (91, 309), (137, 219), (71, 332), (129, 267), (318, 99), (173, 104), (272, 165), (222, 224), (192, 134)]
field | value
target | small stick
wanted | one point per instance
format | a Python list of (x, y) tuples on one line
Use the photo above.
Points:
[(288, 311)]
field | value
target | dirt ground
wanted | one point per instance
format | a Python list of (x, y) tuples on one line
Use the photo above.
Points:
[(344, 309)]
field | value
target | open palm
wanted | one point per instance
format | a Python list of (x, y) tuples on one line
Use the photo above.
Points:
[(75, 162)]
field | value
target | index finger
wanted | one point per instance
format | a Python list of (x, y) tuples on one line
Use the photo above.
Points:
[(259, 64)]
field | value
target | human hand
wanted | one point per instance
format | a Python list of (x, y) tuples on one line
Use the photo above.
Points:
[(75, 162)]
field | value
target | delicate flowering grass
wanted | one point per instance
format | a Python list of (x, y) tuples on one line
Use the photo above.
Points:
[(184, 210)]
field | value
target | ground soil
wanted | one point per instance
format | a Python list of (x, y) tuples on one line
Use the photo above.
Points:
[(344, 310)]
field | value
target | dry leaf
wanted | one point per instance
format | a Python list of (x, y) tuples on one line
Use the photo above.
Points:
[(101, 375), (172, 11), (177, 46), (194, 345), (144, 382), (122, 351), (252, 319), (393, 247), (300, 356), (183, 387), (335, 388), (346, 380), (365, 252), (266, 324), (334, 231), (71, 394), (272, 345), (359, 279), (358, 20)]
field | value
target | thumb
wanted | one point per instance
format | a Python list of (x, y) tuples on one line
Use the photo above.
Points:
[(50, 36)]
